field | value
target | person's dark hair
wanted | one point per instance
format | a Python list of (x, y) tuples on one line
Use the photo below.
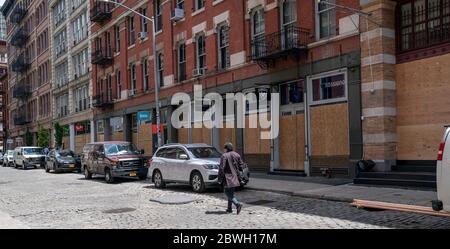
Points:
[(228, 147)]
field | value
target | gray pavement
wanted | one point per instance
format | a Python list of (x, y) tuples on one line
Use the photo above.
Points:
[(36, 199), (339, 189)]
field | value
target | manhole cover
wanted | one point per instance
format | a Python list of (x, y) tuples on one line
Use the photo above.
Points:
[(261, 202), (119, 210), (174, 199)]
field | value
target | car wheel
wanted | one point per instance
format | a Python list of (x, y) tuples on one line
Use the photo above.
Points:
[(55, 169), (108, 176), (46, 168), (24, 167), (87, 174), (158, 179), (197, 183)]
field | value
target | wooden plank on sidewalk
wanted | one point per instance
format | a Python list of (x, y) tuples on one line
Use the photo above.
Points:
[(399, 207)]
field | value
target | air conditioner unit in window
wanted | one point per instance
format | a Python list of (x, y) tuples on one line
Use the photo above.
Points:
[(142, 35), (177, 14), (198, 72), (131, 92)]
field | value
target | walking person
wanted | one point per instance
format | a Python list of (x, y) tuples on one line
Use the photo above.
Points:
[(230, 163)]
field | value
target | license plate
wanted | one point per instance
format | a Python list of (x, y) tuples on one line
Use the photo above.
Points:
[(71, 165), (133, 174)]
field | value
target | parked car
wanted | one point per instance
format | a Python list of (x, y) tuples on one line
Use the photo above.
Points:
[(193, 164), (443, 174), (1, 159), (8, 158), (61, 161), (113, 159), (25, 157)]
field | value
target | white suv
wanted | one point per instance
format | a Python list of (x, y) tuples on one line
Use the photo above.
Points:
[(443, 174), (193, 164)]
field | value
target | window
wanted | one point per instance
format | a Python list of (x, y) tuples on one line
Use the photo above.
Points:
[(80, 63), (224, 50), (62, 105), (100, 126), (158, 14), (199, 4), (61, 77), (59, 12), (200, 52), (181, 62), (291, 93), (145, 74), (109, 95), (118, 84), (100, 87), (133, 79), (329, 88), (160, 65), (80, 28), (117, 38), (289, 13), (258, 30), (60, 44), (144, 21), (326, 15), (422, 23), (131, 31), (180, 4)]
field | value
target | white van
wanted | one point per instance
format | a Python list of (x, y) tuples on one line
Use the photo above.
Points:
[(25, 157), (443, 174)]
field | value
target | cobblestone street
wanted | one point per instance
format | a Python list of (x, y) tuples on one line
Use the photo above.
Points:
[(40, 200)]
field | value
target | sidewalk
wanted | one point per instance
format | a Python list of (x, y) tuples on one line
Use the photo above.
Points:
[(338, 189), (7, 222)]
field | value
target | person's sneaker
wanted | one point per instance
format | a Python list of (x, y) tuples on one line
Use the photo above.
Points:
[(229, 211), (239, 207)]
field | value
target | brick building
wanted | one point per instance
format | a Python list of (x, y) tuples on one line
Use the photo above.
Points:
[(71, 53), (3, 93), (29, 77), (307, 52)]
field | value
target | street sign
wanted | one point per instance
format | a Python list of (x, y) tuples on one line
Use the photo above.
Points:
[(144, 117), (9, 141)]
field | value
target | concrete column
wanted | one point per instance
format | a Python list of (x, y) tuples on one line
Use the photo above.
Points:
[(378, 88), (107, 129), (72, 137), (93, 131)]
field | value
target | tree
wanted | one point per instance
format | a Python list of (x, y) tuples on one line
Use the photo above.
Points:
[(43, 137), (29, 138), (59, 134)]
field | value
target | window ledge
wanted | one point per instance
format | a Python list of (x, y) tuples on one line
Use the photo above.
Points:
[(217, 2), (158, 32), (132, 46), (198, 11)]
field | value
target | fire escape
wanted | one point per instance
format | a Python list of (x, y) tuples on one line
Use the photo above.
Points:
[(102, 54), (20, 65), (291, 41)]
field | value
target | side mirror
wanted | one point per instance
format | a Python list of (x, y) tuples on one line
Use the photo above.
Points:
[(183, 157), (142, 152)]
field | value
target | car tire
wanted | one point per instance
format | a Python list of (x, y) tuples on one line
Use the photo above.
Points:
[(108, 176), (197, 183), (87, 174), (24, 167), (158, 179), (47, 170), (55, 170)]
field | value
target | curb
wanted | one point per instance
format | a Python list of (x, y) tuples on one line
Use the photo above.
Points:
[(305, 195)]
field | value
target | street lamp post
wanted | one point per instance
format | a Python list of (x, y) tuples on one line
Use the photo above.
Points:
[(155, 68)]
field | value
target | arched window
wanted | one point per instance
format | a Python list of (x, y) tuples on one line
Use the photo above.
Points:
[(223, 47), (200, 52), (258, 30)]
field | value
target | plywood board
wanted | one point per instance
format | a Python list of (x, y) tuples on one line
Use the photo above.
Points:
[(300, 143), (329, 130), (227, 135), (100, 137), (117, 136), (287, 143), (183, 135), (253, 144)]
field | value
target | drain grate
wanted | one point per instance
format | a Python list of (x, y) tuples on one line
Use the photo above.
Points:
[(119, 211), (260, 202)]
